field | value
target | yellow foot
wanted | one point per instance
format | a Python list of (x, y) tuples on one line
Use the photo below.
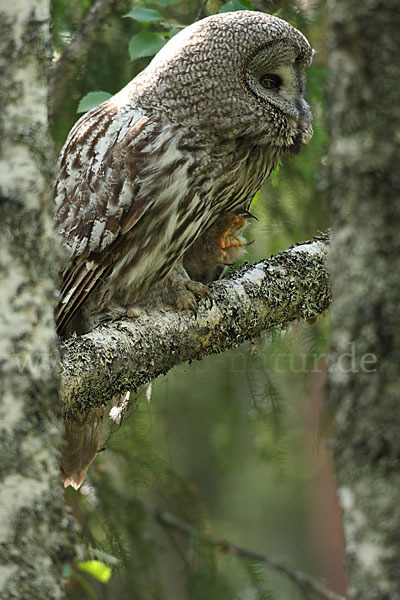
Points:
[(229, 238)]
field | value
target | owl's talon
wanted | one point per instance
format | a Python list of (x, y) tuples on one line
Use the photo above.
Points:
[(188, 293), (228, 239), (198, 290), (248, 215)]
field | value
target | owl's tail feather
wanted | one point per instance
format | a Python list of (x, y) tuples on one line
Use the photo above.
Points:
[(83, 437)]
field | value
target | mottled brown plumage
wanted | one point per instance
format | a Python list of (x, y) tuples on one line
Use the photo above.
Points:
[(152, 180)]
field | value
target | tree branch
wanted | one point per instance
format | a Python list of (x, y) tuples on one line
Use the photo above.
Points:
[(75, 54), (302, 579), (123, 355)]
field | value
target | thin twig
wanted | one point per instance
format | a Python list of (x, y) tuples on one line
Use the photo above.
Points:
[(308, 582), (201, 10)]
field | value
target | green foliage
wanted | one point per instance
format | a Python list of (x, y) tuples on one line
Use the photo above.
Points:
[(148, 43), (144, 15), (234, 5), (145, 44), (91, 100), (165, 2), (96, 568), (256, 574), (201, 585), (225, 446)]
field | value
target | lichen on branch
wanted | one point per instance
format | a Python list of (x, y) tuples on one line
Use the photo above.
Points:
[(122, 355)]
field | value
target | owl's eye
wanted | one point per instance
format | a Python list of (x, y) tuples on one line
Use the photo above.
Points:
[(271, 82)]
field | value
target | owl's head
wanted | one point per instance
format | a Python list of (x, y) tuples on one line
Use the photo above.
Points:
[(233, 74)]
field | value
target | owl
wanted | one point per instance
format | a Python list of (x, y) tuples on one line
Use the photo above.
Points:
[(155, 185)]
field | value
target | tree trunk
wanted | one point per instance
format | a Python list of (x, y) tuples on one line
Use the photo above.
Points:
[(364, 264), (33, 542)]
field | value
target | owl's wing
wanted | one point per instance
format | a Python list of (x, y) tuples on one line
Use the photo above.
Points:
[(95, 197)]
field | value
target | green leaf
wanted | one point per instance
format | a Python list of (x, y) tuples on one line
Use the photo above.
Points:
[(174, 31), (145, 44), (165, 2), (234, 5), (91, 100), (96, 569), (145, 15)]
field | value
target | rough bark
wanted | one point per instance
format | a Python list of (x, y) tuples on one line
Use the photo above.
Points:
[(125, 354), (33, 542), (365, 192)]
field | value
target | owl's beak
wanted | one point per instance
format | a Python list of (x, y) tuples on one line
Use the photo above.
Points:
[(304, 110), (304, 124)]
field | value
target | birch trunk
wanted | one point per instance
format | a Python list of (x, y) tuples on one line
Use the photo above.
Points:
[(33, 542), (364, 265)]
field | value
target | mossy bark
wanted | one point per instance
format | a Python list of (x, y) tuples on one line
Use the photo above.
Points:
[(125, 354), (33, 540), (364, 265)]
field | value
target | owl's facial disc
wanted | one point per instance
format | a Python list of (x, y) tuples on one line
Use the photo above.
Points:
[(275, 77)]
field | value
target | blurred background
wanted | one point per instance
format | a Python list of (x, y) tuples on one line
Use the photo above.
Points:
[(235, 447)]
